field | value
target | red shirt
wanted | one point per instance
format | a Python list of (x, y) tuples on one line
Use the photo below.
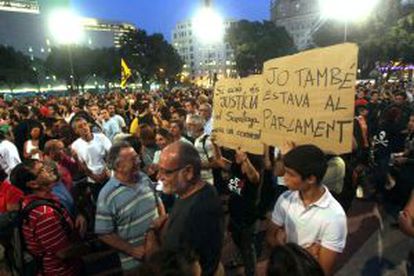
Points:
[(362, 101), (45, 235), (9, 195), (66, 177)]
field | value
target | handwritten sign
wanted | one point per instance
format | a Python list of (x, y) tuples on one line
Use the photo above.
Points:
[(308, 98), (237, 113)]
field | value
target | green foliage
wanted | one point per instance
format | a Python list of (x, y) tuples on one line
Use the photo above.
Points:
[(256, 42), (147, 54), (15, 68)]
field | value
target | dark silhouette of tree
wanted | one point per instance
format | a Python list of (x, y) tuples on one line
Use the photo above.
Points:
[(256, 42), (15, 68), (150, 55)]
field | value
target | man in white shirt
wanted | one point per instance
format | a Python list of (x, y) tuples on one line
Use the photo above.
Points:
[(9, 155), (90, 150), (308, 214), (203, 145), (118, 118), (205, 111)]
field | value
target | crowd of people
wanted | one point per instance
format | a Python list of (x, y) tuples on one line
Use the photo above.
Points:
[(143, 175)]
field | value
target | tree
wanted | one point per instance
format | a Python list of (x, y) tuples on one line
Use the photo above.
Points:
[(15, 68), (107, 65), (387, 34), (256, 42), (82, 59), (104, 63), (152, 56)]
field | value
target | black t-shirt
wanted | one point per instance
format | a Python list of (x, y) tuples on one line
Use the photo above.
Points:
[(243, 197), (197, 223)]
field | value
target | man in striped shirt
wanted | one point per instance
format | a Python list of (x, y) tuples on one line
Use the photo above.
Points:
[(48, 231), (127, 205)]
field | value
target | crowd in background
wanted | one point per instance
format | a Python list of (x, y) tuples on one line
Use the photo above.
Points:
[(142, 174)]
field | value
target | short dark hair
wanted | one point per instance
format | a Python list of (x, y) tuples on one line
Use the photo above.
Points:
[(146, 134), (113, 155), (360, 108), (178, 123), (164, 133), (77, 119), (134, 142), (192, 102), (20, 176), (181, 112), (3, 174), (402, 94), (307, 160), (291, 259), (188, 155)]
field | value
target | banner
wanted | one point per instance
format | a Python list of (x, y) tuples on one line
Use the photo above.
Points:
[(237, 113), (309, 98), (125, 73)]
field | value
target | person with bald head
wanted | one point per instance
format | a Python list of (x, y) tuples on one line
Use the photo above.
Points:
[(54, 151), (196, 221)]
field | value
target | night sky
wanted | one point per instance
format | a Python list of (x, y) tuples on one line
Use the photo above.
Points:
[(162, 15)]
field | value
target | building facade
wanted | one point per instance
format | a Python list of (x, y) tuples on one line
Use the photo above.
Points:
[(103, 33), (24, 26), (299, 17), (203, 61), (29, 6)]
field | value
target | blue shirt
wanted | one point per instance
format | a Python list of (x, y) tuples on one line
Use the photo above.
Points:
[(208, 126), (111, 128), (127, 211), (65, 198)]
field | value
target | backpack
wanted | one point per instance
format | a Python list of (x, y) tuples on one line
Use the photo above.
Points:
[(19, 258)]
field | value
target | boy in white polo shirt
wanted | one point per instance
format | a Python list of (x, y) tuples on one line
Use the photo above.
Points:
[(308, 214)]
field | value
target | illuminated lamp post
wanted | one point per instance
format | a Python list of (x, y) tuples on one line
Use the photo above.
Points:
[(66, 28), (346, 11), (208, 27)]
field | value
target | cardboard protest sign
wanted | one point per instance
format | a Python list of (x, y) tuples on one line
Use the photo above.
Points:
[(237, 113), (308, 98)]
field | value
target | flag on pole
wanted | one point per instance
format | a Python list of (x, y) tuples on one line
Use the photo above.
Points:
[(125, 73)]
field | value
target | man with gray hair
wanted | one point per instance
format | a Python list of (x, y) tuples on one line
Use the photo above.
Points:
[(203, 145), (196, 221), (206, 111), (127, 205)]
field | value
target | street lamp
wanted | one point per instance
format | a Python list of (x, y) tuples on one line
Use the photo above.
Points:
[(346, 11), (208, 25), (66, 28)]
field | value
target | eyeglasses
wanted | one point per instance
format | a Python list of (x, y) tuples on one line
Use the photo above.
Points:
[(169, 172)]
